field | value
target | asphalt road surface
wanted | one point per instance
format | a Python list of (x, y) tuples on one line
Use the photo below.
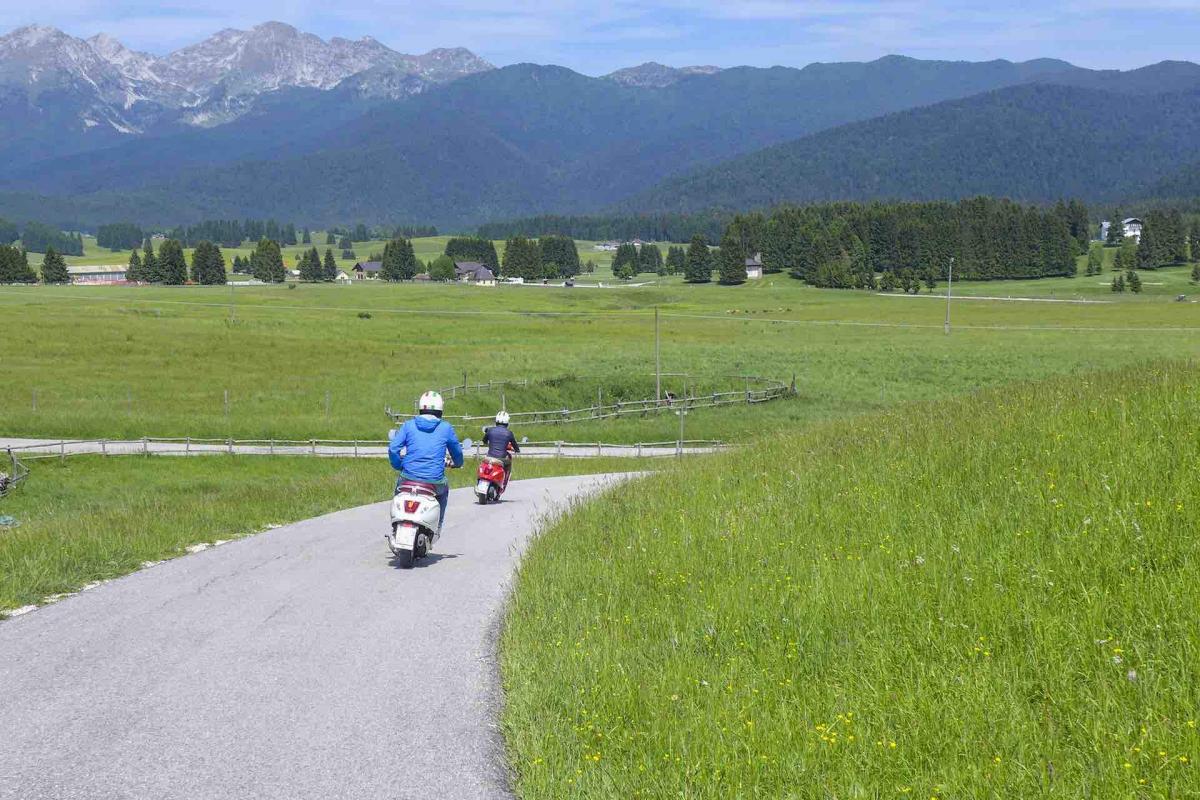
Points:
[(297, 663)]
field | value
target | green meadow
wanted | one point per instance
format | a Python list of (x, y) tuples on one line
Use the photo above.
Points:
[(324, 361), (992, 596)]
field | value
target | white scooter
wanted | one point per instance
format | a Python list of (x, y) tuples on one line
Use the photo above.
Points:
[(416, 519)]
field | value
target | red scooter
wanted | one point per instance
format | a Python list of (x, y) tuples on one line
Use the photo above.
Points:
[(490, 480)]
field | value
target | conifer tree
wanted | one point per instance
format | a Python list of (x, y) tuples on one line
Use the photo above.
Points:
[(888, 282), (307, 239), (54, 268), (267, 262), (329, 268), (1095, 260), (1118, 283), (172, 266), (14, 266), (1196, 273), (731, 258), (698, 267), (1116, 231), (310, 265), (150, 269), (134, 271), (1148, 256), (330, 238), (1134, 282), (676, 260), (208, 264)]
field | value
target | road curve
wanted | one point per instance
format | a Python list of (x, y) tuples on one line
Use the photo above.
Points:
[(298, 663)]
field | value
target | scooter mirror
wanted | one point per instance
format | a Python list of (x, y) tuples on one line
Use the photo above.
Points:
[(524, 440), (467, 444), (391, 434)]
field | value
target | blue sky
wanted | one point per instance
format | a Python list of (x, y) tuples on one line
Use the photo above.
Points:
[(596, 37)]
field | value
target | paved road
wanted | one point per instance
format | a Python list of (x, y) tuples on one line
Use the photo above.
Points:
[(298, 663), (33, 447)]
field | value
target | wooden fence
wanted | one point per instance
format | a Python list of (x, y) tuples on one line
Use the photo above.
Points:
[(757, 390)]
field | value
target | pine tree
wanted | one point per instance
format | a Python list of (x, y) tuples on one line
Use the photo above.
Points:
[(731, 258), (930, 279), (650, 259), (329, 268), (1148, 256), (14, 266), (134, 271), (1196, 273), (307, 239), (522, 259), (1095, 259), (1118, 283), (54, 268), (267, 262), (1134, 282), (310, 265), (330, 238), (150, 269), (208, 264), (698, 267), (1116, 231), (172, 266), (676, 260)]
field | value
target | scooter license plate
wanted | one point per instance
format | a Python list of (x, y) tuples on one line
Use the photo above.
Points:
[(481, 488)]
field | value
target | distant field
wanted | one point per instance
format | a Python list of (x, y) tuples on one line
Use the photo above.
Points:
[(128, 362)]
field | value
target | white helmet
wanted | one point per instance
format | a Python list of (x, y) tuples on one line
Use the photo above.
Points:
[(431, 403), (502, 418)]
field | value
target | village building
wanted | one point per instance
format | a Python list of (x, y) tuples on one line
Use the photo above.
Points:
[(96, 274), (367, 270), (754, 267), (474, 272)]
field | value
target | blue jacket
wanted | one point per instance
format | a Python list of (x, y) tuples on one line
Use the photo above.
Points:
[(425, 440)]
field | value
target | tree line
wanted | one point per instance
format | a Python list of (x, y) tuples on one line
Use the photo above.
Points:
[(38, 238), (549, 256), (652, 227)]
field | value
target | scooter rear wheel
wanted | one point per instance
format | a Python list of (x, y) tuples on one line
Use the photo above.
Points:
[(404, 558)]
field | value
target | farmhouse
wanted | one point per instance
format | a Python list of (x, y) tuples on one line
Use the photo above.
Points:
[(474, 272), (754, 268), (1133, 228), (367, 269), (96, 274)]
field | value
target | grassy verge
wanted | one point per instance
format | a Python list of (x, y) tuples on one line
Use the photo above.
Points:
[(91, 518), (987, 597)]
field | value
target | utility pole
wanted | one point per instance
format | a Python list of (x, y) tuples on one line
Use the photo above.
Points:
[(949, 284), (657, 361)]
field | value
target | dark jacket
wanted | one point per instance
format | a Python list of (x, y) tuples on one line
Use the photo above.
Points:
[(498, 439)]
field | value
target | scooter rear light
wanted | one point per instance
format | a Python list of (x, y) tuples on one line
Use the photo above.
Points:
[(410, 506)]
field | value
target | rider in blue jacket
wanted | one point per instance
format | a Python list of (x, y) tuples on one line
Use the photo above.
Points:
[(418, 450)]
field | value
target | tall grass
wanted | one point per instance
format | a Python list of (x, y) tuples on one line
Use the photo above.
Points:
[(993, 597), (91, 518)]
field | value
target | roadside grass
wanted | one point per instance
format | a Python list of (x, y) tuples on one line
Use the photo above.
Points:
[(991, 596), (91, 518), (130, 362)]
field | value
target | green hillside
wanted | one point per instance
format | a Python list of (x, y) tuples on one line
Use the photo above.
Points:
[(986, 597)]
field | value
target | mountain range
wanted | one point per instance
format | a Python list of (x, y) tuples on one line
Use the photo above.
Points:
[(276, 122)]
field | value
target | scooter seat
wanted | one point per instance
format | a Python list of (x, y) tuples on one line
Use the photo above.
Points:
[(418, 487), (491, 460)]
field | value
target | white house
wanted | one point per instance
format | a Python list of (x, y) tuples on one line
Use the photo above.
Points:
[(96, 274), (1133, 228), (754, 267), (474, 272)]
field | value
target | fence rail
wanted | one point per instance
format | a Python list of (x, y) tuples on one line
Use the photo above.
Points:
[(17, 472), (766, 390), (331, 448)]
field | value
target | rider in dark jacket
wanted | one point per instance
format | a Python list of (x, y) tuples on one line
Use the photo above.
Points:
[(500, 442)]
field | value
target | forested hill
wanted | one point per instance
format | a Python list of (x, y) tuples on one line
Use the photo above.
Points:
[(509, 142), (1032, 143)]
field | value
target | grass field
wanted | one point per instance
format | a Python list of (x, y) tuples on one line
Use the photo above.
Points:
[(987, 597), (91, 518), (127, 362)]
